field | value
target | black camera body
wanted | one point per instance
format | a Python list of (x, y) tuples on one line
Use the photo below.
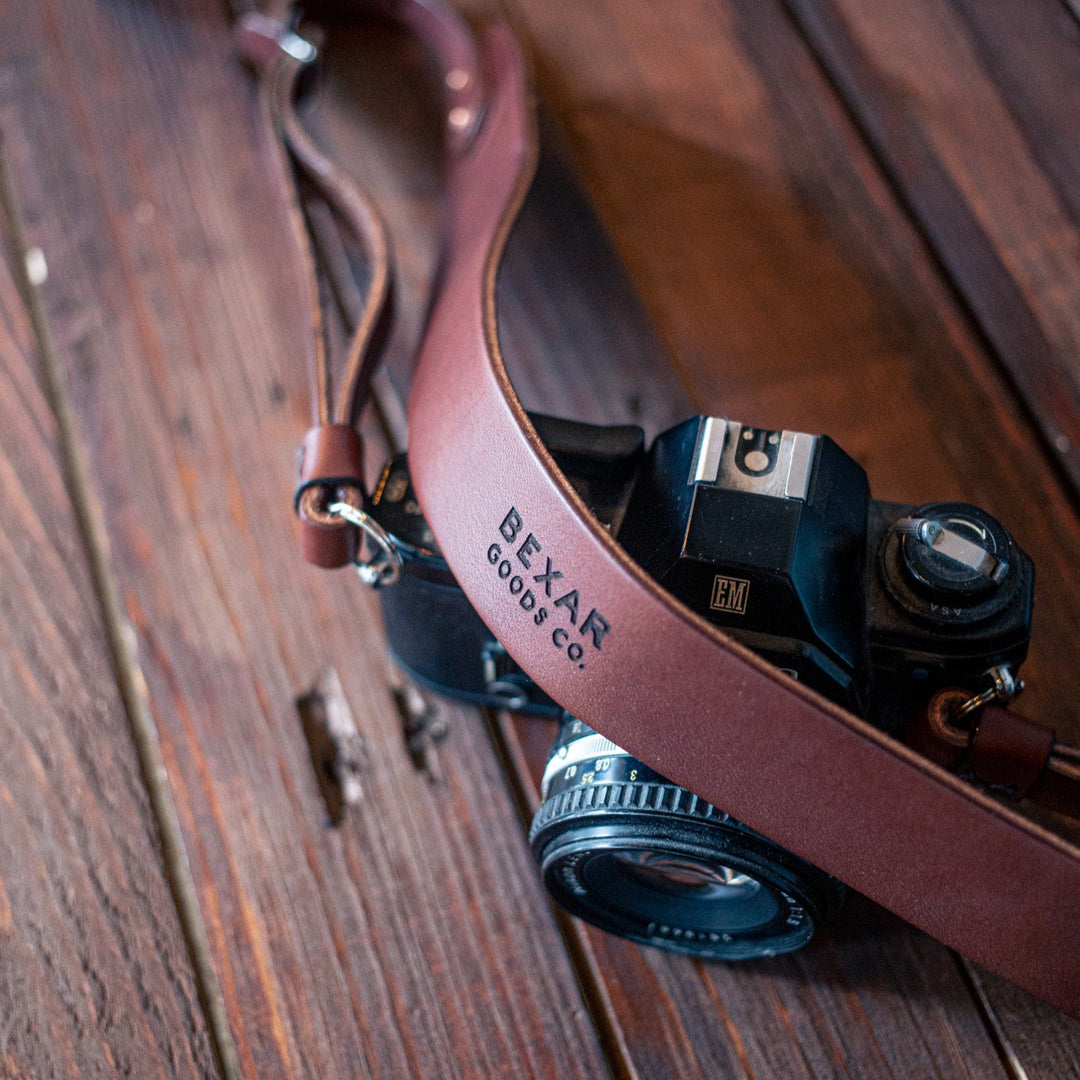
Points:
[(773, 536)]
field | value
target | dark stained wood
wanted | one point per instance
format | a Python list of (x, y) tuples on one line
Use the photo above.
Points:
[(971, 110), (790, 288), (415, 940), (95, 979), (1042, 1042)]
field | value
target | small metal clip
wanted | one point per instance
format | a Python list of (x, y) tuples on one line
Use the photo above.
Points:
[(1003, 689), (384, 567), (259, 38)]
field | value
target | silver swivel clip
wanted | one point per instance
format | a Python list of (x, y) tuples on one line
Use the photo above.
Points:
[(384, 565), (378, 560), (1004, 687)]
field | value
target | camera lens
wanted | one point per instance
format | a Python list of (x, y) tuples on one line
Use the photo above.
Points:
[(636, 855)]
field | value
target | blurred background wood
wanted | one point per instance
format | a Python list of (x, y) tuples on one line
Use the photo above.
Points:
[(803, 267)]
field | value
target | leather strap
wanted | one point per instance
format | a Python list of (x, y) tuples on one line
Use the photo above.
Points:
[(631, 661)]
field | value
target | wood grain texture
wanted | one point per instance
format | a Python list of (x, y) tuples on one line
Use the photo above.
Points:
[(971, 110), (415, 940), (94, 973)]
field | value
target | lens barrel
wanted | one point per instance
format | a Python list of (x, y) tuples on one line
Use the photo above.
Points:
[(632, 853)]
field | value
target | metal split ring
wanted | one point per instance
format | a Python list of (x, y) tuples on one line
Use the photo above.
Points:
[(384, 568), (316, 499)]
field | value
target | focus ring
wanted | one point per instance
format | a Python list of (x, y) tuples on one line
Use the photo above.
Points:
[(627, 796)]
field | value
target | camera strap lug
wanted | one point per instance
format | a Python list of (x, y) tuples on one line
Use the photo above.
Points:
[(502, 677)]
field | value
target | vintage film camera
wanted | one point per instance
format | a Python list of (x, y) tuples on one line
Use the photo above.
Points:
[(773, 536)]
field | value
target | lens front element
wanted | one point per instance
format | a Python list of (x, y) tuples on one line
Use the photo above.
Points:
[(698, 889)]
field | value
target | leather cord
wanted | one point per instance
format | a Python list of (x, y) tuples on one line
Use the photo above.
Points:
[(331, 463), (659, 681), (331, 454)]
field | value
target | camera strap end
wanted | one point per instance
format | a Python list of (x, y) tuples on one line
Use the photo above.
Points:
[(331, 467), (998, 749)]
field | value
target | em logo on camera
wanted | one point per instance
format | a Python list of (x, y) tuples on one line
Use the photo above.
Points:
[(730, 594)]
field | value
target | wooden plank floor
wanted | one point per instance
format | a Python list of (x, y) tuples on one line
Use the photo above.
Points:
[(838, 218), (94, 971)]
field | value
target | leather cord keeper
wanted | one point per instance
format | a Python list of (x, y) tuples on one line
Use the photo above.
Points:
[(931, 733), (331, 457), (1009, 752), (1016, 757)]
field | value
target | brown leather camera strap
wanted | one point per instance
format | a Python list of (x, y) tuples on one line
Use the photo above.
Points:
[(628, 659)]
